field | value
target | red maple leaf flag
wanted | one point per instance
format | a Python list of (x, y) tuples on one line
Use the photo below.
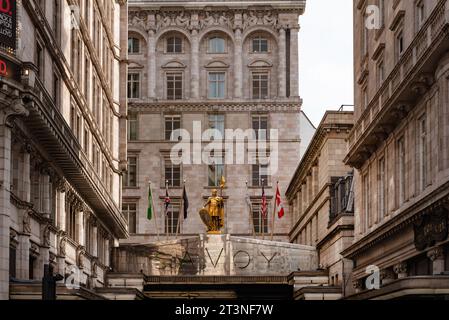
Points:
[(279, 207)]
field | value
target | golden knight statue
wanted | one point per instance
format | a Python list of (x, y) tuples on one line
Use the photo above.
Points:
[(212, 214)]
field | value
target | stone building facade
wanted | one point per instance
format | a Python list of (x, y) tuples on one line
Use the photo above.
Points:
[(62, 112), (399, 147), (222, 66), (321, 199)]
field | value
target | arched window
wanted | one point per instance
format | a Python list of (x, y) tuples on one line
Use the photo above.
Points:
[(260, 44), (174, 45), (133, 45), (216, 45)]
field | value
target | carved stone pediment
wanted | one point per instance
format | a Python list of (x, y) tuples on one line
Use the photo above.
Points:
[(260, 64), (217, 65), (135, 65), (174, 65)]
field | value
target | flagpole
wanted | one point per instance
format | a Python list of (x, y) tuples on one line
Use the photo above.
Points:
[(274, 212), (178, 227), (263, 214), (155, 213), (250, 208)]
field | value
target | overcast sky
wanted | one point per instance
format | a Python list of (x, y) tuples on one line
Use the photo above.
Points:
[(326, 57)]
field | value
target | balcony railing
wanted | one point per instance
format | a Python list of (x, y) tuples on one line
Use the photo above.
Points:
[(406, 71)]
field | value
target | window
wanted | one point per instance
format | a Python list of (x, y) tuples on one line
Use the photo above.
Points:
[(12, 262), (217, 85), (366, 202), (400, 45), (260, 126), (259, 221), (260, 175), (40, 61), (260, 44), (365, 99), (71, 221), (129, 210), (382, 12), (31, 266), (133, 46), (382, 188), (380, 73), (56, 19), (56, 89), (86, 141), (260, 85), (401, 170), (86, 79), (130, 177), (133, 85), (172, 123), (174, 86), (215, 170), (217, 122), (422, 153), (217, 45), (172, 219), (174, 45), (132, 126), (420, 13), (172, 173), (365, 35)]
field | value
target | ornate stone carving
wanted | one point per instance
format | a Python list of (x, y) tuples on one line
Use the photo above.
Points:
[(357, 284), (189, 21), (387, 276), (80, 257), (400, 269), (26, 222), (62, 246), (46, 236), (435, 254)]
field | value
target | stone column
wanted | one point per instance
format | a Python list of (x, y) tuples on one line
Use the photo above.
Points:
[(26, 184), (80, 227), (44, 252), (401, 270), (151, 65), (107, 254), (282, 71), (94, 239), (294, 63), (436, 255), (238, 64), (5, 178), (195, 66), (61, 214)]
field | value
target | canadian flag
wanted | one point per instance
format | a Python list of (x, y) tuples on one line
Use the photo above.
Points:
[(278, 204)]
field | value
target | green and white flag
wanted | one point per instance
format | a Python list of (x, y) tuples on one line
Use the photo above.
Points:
[(150, 204)]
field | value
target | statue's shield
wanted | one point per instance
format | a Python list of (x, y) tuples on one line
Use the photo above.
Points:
[(205, 217)]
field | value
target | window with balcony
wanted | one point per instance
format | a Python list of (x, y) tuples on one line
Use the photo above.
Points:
[(217, 85), (172, 219), (174, 85), (133, 85), (130, 177), (129, 211), (260, 85), (132, 127), (172, 123), (260, 126), (401, 156), (260, 222), (172, 173)]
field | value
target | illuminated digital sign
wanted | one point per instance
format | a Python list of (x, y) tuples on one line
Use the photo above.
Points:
[(8, 23), (9, 69)]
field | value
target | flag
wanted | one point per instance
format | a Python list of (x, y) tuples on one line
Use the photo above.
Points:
[(264, 202), (185, 200), (150, 204), (278, 204), (167, 200)]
